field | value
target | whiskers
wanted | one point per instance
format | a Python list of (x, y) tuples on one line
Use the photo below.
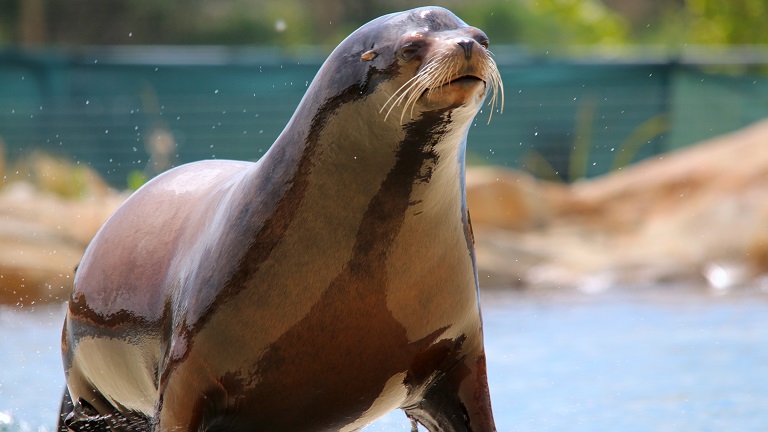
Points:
[(495, 85), (444, 68), (429, 78)]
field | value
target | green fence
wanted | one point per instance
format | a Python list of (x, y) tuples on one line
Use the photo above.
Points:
[(114, 108)]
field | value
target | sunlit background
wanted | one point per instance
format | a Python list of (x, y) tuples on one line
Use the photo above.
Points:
[(619, 201)]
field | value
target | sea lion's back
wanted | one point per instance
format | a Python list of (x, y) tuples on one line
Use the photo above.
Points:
[(134, 250)]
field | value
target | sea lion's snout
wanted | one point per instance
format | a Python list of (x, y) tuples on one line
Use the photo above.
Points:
[(475, 44), (466, 45), (451, 68)]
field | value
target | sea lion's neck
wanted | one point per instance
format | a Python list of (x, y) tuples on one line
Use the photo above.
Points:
[(346, 159)]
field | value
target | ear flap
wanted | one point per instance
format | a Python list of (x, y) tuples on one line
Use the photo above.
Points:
[(368, 56)]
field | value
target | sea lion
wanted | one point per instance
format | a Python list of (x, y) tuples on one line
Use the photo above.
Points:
[(330, 282)]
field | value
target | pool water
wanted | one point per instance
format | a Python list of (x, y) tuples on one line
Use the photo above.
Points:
[(677, 361)]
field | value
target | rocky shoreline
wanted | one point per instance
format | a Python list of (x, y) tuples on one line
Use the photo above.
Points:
[(696, 215), (49, 212)]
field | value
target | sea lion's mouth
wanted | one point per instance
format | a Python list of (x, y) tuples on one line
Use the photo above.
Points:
[(465, 79), (461, 80)]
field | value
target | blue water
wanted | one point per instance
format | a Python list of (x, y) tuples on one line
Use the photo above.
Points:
[(677, 362)]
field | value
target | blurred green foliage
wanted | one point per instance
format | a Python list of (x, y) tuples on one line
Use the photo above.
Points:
[(136, 179), (546, 23), (728, 21), (289, 23)]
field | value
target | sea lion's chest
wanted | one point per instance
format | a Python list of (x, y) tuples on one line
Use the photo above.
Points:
[(326, 283), (367, 325)]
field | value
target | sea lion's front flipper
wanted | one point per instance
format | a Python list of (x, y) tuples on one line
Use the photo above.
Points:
[(457, 402), (84, 417)]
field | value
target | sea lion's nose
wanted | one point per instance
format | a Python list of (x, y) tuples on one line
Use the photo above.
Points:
[(466, 45)]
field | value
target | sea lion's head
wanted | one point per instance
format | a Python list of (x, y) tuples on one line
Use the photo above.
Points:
[(412, 62)]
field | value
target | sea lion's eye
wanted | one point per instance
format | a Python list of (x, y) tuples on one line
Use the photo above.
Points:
[(409, 50)]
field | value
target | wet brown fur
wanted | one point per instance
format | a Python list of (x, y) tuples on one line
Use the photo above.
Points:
[(190, 281)]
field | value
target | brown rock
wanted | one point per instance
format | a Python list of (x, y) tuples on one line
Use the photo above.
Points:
[(43, 237), (509, 199), (701, 212)]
